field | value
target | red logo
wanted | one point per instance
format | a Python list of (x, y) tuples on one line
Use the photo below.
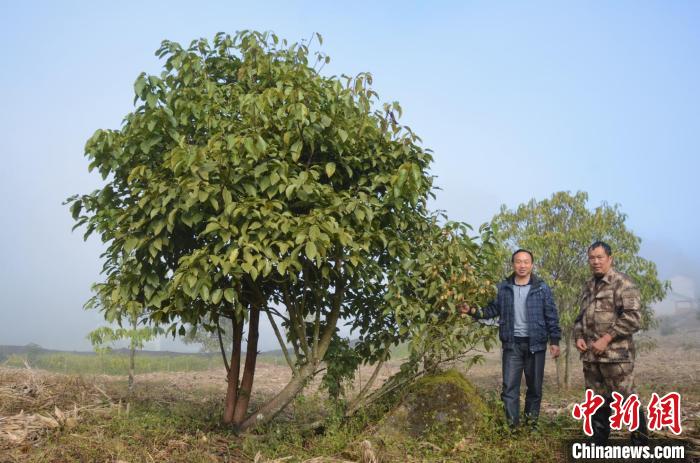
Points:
[(626, 412), (665, 412), (585, 410)]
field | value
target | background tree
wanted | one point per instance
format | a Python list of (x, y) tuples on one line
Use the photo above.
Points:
[(247, 184), (102, 338), (209, 340), (558, 230)]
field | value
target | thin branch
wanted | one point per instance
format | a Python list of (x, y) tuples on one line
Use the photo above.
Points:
[(360, 399), (281, 341), (332, 318), (221, 346), (296, 323), (317, 326), (277, 313)]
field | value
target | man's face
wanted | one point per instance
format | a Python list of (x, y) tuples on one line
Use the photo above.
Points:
[(522, 264), (599, 261)]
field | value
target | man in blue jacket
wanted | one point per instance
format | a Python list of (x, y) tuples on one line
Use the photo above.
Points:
[(528, 319)]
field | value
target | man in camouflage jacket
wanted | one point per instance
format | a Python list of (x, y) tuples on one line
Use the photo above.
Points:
[(609, 316)]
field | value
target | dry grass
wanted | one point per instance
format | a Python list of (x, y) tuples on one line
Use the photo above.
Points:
[(35, 403)]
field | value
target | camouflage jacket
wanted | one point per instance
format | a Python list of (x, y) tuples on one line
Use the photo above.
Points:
[(613, 308)]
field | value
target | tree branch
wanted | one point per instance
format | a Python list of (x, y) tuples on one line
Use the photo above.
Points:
[(282, 343), (221, 345), (360, 399), (333, 316), (296, 323), (277, 313)]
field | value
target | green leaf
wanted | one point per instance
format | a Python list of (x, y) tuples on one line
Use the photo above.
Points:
[(151, 100), (211, 226), (310, 250), (343, 135), (229, 294), (140, 84), (330, 169), (296, 150), (216, 296), (227, 196), (130, 244), (75, 209), (249, 146)]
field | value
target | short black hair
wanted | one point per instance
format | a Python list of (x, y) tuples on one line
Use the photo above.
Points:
[(601, 244), (512, 258)]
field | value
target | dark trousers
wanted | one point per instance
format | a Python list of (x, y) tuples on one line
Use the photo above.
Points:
[(518, 360), (600, 422)]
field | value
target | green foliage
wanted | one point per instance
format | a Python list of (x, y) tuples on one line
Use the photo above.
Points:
[(558, 230), (447, 267), (245, 180), (342, 362), (102, 337)]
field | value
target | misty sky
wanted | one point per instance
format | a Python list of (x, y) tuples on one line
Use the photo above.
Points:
[(517, 100)]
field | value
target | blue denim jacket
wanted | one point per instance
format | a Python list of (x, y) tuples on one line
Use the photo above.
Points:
[(542, 316)]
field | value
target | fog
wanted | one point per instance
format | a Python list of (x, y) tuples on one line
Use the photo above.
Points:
[(517, 101)]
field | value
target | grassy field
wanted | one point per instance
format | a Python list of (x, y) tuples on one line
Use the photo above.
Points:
[(117, 363), (175, 416)]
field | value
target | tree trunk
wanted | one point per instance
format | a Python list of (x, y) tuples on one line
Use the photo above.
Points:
[(233, 372), (297, 383), (281, 400), (270, 409), (132, 355), (567, 355), (249, 371)]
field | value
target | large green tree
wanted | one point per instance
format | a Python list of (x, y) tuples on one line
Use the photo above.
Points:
[(558, 230), (246, 184)]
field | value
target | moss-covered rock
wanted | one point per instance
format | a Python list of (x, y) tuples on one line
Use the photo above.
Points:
[(445, 403)]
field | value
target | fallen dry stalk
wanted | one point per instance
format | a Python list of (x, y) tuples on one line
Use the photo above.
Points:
[(34, 404)]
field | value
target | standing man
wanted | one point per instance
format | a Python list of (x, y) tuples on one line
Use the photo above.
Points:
[(609, 315), (528, 319)]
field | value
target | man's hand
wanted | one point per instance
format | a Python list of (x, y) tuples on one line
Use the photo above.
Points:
[(581, 345), (554, 350), (601, 344), (464, 309)]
